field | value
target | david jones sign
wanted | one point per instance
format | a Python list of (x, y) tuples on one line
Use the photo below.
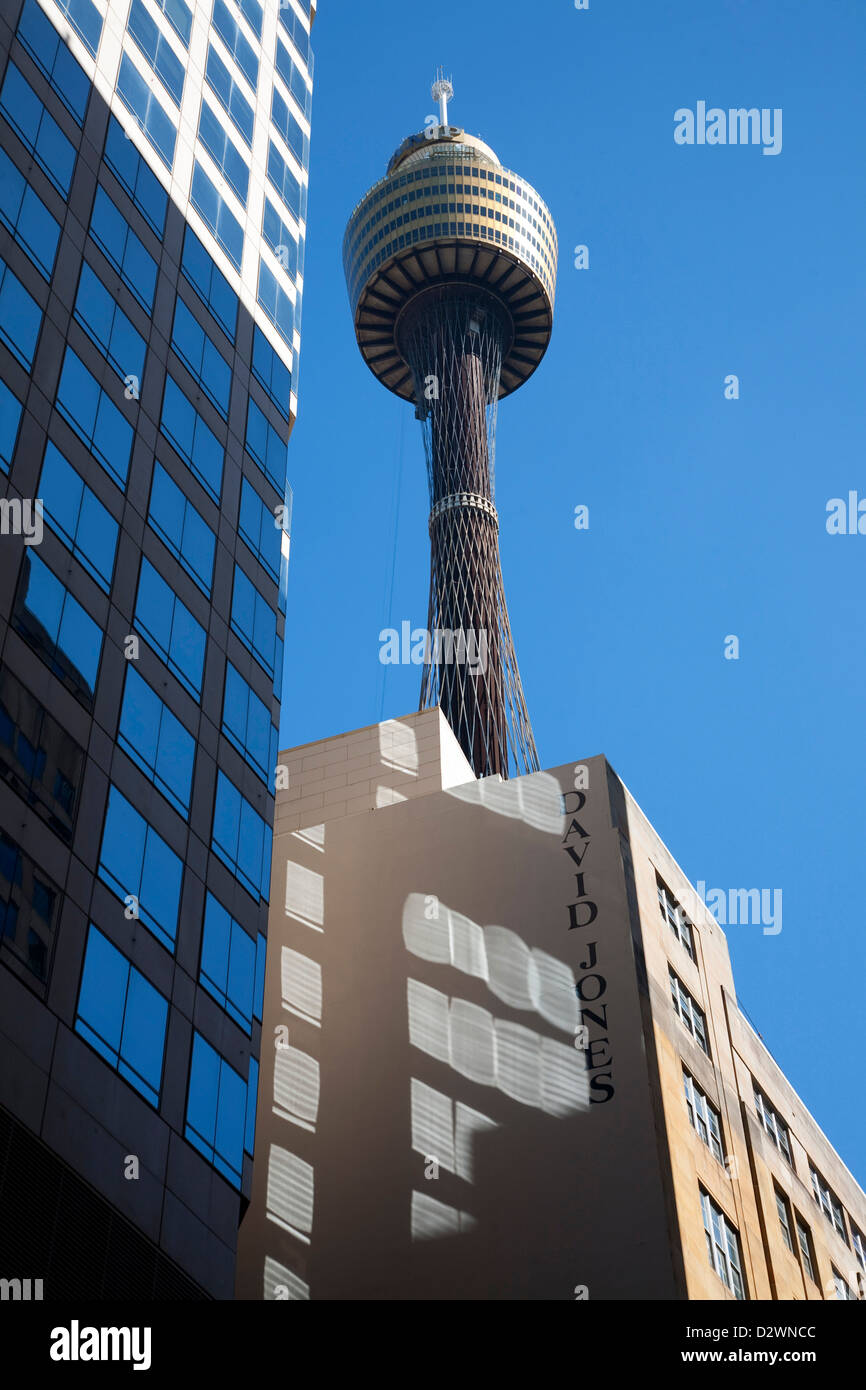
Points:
[(592, 986)]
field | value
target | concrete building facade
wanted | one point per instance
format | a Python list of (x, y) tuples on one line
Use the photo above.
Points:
[(505, 1057)]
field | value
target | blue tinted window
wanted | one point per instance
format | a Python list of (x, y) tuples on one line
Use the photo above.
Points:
[(156, 741), (135, 860), (10, 419), (252, 1097), (75, 512), (167, 623), (255, 623), (247, 724), (85, 20), (39, 131), (261, 959), (210, 283), (178, 524), (140, 182), (122, 1016), (228, 963), (282, 242), (293, 78), (241, 839), (107, 325), (27, 217), (58, 628), (284, 180), (237, 45), (20, 317), (95, 418), (157, 50), (216, 1110), (51, 54), (266, 445), (272, 372), (258, 527), (290, 128), (276, 303), (145, 107), (221, 150), (193, 439), (218, 215), (201, 357), (296, 31), (230, 94), (179, 17), (252, 13), (127, 253)]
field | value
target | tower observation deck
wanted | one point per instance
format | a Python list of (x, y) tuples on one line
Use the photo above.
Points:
[(450, 263)]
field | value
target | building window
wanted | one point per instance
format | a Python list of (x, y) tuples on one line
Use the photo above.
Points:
[(181, 528), (216, 1110), (247, 724), (193, 439), (157, 50), (255, 623), (271, 371), (723, 1246), (29, 908), (85, 20), (27, 218), (859, 1245), (126, 252), (10, 421), (135, 861), (20, 317), (108, 327), (252, 13), (51, 54), (156, 741), (228, 160), (144, 105), (828, 1202), (237, 45), (703, 1116), (230, 95), (37, 757), (201, 357), (675, 917), (284, 180), (58, 629), (784, 1218), (178, 639), (228, 963), (293, 77), (140, 182), (773, 1124), (807, 1250), (122, 1016), (266, 445), (257, 525), (282, 242), (218, 215), (241, 839), (75, 512), (95, 418), (290, 128), (843, 1288), (209, 283), (252, 1097), (691, 1015), (179, 17)]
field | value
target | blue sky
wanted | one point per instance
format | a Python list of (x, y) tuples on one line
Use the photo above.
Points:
[(707, 516)]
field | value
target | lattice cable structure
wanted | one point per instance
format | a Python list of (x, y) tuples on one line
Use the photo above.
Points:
[(451, 263)]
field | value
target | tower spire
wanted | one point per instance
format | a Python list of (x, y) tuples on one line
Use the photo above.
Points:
[(442, 91)]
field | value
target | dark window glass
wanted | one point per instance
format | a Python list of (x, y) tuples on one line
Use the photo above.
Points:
[(58, 628), (209, 283), (272, 372), (218, 215), (156, 741), (201, 357), (50, 53), (266, 445), (258, 528), (181, 528), (127, 253), (282, 242), (221, 150), (20, 317), (95, 418), (252, 1097), (157, 50), (247, 724), (237, 45), (74, 511), (29, 908), (135, 861), (122, 1016), (194, 440), (230, 94), (169, 626), (241, 839), (10, 419), (255, 623), (216, 1109), (38, 758), (140, 182), (27, 217), (276, 303), (145, 106), (228, 963), (108, 326)]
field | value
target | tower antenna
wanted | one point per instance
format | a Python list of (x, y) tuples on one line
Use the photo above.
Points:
[(442, 91)]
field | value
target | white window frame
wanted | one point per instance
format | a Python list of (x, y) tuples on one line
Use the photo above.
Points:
[(723, 1246)]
